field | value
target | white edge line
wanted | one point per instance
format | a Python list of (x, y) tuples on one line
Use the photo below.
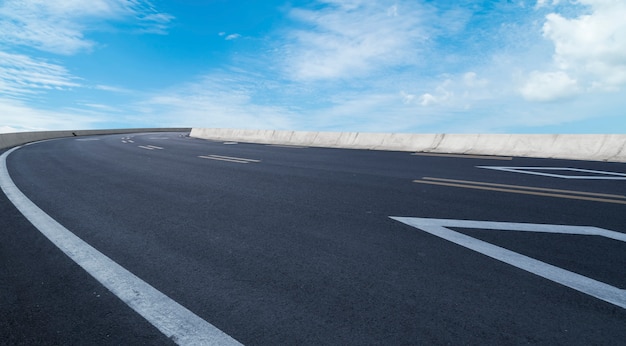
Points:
[(174, 320), (564, 277)]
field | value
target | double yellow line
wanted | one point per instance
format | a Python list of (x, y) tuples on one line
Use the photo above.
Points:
[(526, 190)]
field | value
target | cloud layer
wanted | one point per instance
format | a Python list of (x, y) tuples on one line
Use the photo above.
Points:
[(589, 52), (59, 26), (341, 65)]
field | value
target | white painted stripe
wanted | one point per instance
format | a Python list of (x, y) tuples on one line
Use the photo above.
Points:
[(531, 170), (149, 147), (600, 290), (235, 158), (222, 159), (131, 141), (172, 319)]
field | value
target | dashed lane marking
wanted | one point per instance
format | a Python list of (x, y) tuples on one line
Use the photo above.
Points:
[(584, 196), (600, 290), (174, 320), (229, 159)]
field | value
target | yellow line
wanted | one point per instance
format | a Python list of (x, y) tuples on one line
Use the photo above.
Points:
[(506, 158), (527, 188), (521, 192)]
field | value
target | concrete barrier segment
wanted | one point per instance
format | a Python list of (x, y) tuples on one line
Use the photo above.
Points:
[(562, 146)]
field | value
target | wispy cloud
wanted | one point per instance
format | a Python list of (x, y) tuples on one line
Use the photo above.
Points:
[(16, 115), (219, 99), (347, 39), (20, 75), (59, 26)]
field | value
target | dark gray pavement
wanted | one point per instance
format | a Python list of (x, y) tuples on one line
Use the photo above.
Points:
[(298, 248)]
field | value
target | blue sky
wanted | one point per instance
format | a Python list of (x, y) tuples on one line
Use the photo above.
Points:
[(420, 66)]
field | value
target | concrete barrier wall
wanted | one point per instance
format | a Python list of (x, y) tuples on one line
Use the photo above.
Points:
[(8, 140), (576, 147)]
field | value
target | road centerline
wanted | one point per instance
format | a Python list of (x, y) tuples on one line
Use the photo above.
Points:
[(520, 190)]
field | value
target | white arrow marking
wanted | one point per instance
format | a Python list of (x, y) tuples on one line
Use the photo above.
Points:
[(600, 290)]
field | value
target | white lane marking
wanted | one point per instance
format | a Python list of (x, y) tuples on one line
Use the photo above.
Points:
[(158, 138), (235, 158), (150, 147), (230, 143), (123, 141), (600, 290), (174, 320), (87, 139), (131, 141), (531, 170), (229, 159)]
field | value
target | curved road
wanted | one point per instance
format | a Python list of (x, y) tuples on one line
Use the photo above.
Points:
[(291, 245)]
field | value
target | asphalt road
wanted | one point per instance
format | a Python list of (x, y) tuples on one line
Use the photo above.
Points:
[(287, 245)]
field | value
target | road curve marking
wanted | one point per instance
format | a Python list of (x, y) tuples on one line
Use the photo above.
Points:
[(174, 320), (598, 289)]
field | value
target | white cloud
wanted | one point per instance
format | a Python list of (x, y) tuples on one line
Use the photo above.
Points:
[(549, 86), (543, 3), (471, 80), (8, 129), (232, 37), (17, 116), (216, 100), (58, 26), (352, 38), (589, 52), (592, 44), (20, 74)]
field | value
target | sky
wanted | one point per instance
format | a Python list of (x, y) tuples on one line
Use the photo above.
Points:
[(416, 66)]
